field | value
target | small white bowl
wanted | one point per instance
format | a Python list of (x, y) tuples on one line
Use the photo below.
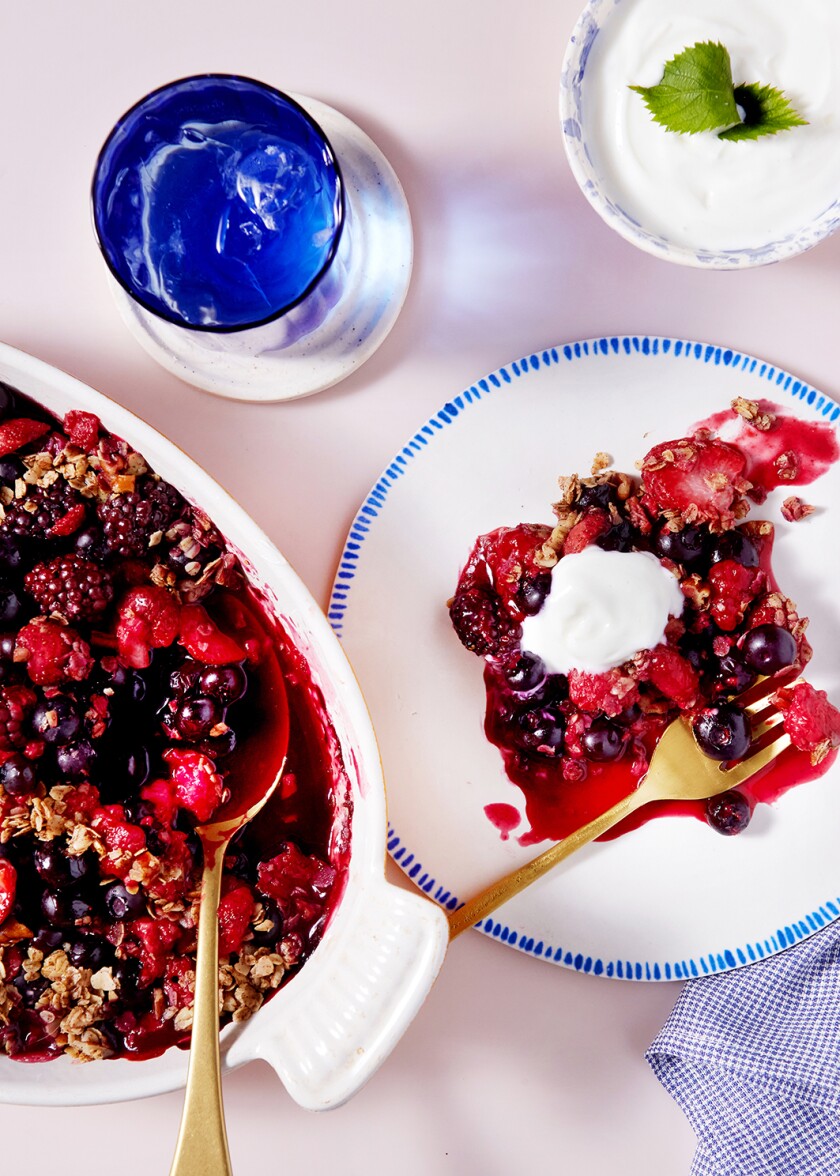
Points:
[(606, 203), (332, 1025)]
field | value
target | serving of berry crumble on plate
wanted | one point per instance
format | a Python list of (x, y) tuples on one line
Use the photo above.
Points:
[(689, 551)]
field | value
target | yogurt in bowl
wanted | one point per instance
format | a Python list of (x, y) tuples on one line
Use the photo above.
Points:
[(697, 199)]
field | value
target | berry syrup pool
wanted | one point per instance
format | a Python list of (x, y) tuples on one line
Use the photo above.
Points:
[(218, 203)]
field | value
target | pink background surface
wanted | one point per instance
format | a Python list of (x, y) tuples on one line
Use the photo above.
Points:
[(512, 1064)]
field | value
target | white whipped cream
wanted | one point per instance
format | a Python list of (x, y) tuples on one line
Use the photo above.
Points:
[(699, 191), (603, 607)]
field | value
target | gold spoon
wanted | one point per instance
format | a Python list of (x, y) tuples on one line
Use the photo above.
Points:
[(202, 1148)]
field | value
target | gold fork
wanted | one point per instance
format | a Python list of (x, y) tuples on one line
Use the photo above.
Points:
[(678, 770)]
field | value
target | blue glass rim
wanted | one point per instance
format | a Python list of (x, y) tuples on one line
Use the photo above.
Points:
[(212, 328)]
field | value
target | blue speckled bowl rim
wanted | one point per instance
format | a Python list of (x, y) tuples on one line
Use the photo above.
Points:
[(572, 80), (645, 347)]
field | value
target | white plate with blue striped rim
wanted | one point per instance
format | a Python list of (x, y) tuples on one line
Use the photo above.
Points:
[(669, 900)]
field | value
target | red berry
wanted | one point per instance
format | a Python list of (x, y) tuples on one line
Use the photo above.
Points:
[(204, 640), (8, 885), (608, 693), (733, 588), (53, 653), (586, 530), (812, 722), (198, 786), (298, 884), (149, 617), (82, 428), (672, 676), (235, 910), (19, 432), (699, 479)]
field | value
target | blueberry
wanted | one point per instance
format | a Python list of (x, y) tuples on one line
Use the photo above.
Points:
[(684, 547), (271, 935), (10, 401), (74, 760), (7, 646), (722, 731), (48, 939), (17, 776), (183, 679), (90, 543), (11, 555), (769, 648), (525, 674), (728, 813), (604, 741), (30, 990), (90, 951), (541, 728), (11, 468), (127, 975), (12, 606), (732, 675), (620, 537), (601, 496), (227, 683), (734, 545), (121, 904), (57, 720), (531, 592), (220, 746), (197, 717)]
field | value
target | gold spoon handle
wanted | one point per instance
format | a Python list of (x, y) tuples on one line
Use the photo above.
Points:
[(202, 1148), (501, 890)]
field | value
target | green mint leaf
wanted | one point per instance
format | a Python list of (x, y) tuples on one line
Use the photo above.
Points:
[(766, 111), (696, 92)]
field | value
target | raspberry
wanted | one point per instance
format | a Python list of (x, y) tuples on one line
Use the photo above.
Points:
[(481, 622), (8, 885), (129, 520), (53, 653), (733, 588), (179, 982), (701, 480), (16, 705), (205, 641), (150, 941), (197, 785), (46, 511), (672, 676), (149, 618), (610, 693), (71, 586), (586, 530), (83, 429), (299, 885), (235, 910), (810, 719), (505, 557)]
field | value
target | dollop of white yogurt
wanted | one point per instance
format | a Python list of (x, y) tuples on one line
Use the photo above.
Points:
[(699, 191), (603, 607)]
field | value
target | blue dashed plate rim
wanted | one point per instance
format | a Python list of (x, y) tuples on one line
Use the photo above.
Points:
[(778, 380)]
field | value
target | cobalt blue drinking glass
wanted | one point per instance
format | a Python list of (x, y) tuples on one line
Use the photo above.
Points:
[(242, 258)]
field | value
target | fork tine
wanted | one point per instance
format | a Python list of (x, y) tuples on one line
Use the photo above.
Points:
[(759, 693), (766, 721), (762, 752)]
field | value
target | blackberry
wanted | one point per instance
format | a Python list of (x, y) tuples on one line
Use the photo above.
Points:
[(481, 622), (41, 509), (129, 520), (71, 586)]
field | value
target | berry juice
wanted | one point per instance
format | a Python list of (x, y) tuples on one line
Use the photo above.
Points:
[(217, 202)]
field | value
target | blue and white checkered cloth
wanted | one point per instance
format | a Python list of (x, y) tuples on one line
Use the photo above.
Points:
[(753, 1059)]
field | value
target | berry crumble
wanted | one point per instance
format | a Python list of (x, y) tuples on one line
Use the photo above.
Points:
[(136, 664), (668, 572)]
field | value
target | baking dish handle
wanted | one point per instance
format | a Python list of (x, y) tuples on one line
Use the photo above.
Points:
[(331, 1029)]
